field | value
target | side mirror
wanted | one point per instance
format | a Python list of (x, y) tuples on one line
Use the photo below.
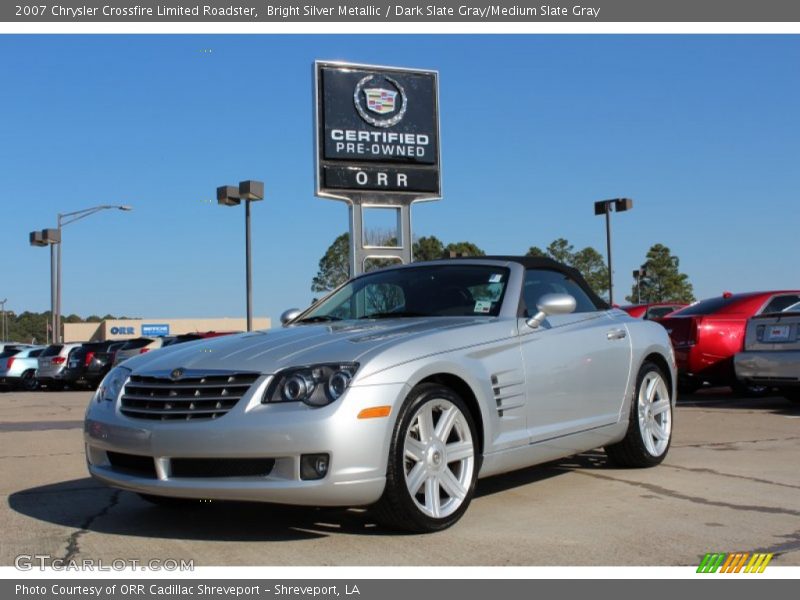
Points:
[(551, 304), (290, 315)]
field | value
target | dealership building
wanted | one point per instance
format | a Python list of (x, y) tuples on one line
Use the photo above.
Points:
[(125, 329)]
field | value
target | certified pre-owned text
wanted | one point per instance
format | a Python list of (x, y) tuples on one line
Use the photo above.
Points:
[(379, 142)]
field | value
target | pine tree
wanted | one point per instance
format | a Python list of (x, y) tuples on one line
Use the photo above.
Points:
[(663, 281), (588, 261), (428, 248), (334, 266)]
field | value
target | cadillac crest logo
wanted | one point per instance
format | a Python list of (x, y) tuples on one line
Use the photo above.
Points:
[(384, 96), (176, 374)]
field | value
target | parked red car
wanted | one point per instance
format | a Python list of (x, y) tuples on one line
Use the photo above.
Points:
[(707, 335), (654, 310)]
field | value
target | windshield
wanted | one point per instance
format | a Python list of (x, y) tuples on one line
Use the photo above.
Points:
[(136, 344), (430, 291)]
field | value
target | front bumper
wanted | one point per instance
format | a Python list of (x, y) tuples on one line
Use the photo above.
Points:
[(358, 448), (776, 367)]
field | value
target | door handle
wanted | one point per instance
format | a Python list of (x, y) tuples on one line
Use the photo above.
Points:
[(616, 334)]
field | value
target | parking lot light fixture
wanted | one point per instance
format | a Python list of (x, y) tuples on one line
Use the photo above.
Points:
[(49, 237), (230, 195), (604, 207)]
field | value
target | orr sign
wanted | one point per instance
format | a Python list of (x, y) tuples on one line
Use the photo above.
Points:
[(377, 133)]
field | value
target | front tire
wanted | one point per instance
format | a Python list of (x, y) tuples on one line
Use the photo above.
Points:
[(433, 462), (650, 423)]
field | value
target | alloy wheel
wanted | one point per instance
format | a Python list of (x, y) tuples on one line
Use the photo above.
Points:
[(655, 413), (439, 458)]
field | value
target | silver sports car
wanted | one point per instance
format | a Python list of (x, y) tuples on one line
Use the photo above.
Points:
[(398, 390)]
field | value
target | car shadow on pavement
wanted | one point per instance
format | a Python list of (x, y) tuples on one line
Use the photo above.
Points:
[(86, 505), (83, 504), (724, 398), (506, 481)]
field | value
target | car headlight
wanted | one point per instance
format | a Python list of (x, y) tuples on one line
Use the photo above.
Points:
[(316, 385), (111, 386)]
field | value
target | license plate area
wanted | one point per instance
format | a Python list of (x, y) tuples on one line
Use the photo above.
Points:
[(777, 333)]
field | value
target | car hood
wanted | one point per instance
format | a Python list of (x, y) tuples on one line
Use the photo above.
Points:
[(271, 350)]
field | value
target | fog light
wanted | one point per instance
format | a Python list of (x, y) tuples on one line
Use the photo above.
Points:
[(313, 466)]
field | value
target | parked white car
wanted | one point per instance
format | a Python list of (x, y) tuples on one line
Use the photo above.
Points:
[(51, 364), (18, 366), (771, 355)]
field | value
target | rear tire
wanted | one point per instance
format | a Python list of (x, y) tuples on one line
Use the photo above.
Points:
[(649, 433), (792, 395), (433, 462), (29, 382)]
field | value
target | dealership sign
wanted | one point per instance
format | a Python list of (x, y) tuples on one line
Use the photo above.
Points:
[(377, 133), (159, 330)]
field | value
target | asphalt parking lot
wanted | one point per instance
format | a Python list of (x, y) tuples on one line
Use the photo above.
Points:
[(730, 483)]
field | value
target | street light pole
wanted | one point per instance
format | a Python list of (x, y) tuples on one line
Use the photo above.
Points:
[(63, 220), (3, 318), (248, 266), (608, 254), (53, 284), (229, 195), (604, 207)]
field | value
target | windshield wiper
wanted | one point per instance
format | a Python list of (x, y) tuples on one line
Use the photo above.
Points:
[(319, 319), (392, 315)]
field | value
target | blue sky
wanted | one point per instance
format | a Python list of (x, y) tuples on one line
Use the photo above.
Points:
[(703, 132)]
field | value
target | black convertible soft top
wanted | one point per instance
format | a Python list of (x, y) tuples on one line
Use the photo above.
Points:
[(542, 262)]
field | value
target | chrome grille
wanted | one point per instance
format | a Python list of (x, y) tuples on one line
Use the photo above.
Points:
[(195, 395)]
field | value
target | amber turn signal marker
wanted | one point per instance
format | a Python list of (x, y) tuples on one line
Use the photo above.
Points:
[(375, 412)]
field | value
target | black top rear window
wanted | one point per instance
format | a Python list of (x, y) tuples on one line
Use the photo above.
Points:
[(53, 350), (708, 307), (8, 353)]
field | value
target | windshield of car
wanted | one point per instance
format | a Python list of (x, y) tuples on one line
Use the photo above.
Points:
[(430, 291), (793, 308), (780, 303), (657, 312), (136, 343), (180, 339)]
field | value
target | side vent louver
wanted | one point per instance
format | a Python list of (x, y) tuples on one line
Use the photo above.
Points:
[(508, 391)]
